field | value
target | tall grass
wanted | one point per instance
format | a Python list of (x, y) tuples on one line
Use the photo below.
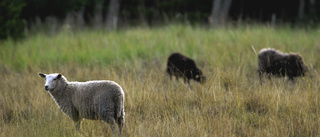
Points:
[(231, 103)]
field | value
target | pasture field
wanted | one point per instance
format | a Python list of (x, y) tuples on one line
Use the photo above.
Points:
[(231, 103)]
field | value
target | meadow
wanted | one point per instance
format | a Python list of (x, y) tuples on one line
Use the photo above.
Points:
[(231, 103)]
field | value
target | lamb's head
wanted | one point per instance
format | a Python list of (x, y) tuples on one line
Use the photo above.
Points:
[(53, 81), (297, 64), (198, 76)]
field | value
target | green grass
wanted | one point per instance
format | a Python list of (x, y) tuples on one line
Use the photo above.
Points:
[(231, 103)]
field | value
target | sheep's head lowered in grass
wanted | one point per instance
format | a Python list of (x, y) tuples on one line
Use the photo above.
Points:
[(198, 76), (296, 63)]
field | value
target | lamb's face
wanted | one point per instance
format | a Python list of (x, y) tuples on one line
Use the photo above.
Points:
[(51, 80), (296, 59), (198, 76)]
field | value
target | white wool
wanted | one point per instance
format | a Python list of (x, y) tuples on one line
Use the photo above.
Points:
[(94, 100)]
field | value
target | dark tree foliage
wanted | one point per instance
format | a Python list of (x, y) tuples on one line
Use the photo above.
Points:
[(193, 10), (88, 11), (158, 10), (45, 8), (285, 10), (11, 24), (153, 12)]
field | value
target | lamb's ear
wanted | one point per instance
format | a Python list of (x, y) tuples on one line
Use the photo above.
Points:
[(59, 76), (42, 75)]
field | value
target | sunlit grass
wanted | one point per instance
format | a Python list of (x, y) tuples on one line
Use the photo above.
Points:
[(231, 103)]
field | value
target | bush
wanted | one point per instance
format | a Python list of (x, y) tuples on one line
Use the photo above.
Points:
[(11, 25)]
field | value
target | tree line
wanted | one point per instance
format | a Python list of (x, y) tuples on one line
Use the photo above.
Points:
[(17, 15)]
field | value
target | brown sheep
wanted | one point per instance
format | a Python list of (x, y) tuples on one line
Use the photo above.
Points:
[(181, 66), (280, 64)]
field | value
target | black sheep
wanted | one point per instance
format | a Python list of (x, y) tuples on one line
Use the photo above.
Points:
[(280, 64), (181, 66)]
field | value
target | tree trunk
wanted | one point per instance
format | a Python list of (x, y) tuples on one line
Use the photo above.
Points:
[(219, 12), (313, 7), (301, 10), (112, 16), (98, 23), (225, 10), (214, 17), (88, 12), (312, 2)]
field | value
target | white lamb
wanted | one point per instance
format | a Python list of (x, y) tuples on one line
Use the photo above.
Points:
[(96, 100)]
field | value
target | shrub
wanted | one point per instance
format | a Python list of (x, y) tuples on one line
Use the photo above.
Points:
[(11, 25)]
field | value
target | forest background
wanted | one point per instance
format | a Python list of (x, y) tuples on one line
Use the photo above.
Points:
[(129, 41)]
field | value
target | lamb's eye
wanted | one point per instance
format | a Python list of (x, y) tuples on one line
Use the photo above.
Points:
[(54, 79)]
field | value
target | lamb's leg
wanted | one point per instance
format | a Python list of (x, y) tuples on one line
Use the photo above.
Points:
[(120, 123), (169, 72), (76, 119), (292, 80), (260, 76), (177, 78), (108, 117), (77, 126), (113, 127), (120, 128), (186, 81)]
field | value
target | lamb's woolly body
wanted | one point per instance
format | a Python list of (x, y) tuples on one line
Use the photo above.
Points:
[(179, 65), (281, 64), (84, 101), (91, 100)]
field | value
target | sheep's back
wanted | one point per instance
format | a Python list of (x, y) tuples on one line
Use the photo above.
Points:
[(92, 94), (181, 62), (270, 57)]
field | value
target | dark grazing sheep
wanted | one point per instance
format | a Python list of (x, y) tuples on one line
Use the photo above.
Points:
[(280, 64), (181, 66)]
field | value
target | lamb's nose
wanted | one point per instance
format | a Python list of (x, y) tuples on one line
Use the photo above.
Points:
[(46, 87)]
